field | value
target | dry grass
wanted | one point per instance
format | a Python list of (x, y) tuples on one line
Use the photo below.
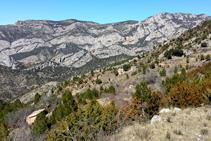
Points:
[(188, 124)]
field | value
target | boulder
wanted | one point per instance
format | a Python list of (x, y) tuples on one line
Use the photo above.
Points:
[(155, 118)]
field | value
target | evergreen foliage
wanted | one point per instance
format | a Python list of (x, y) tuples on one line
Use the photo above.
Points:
[(143, 92), (207, 57), (173, 52), (204, 44), (110, 90), (36, 98), (92, 73), (98, 81), (175, 69), (163, 72), (144, 67), (152, 65), (126, 67)]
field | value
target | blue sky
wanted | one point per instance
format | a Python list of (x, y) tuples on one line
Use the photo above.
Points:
[(101, 11)]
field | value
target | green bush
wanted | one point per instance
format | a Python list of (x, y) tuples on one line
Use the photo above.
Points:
[(187, 60), (110, 90), (208, 57), (116, 73), (36, 98), (126, 67), (144, 67), (142, 91), (80, 81), (173, 52), (90, 94), (163, 72), (202, 57), (204, 44), (186, 67), (152, 65), (92, 73), (127, 76), (156, 61), (59, 88), (134, 73), (75, 78), (98, 81), (175, 69)]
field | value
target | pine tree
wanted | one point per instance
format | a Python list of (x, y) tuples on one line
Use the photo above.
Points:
[(142, 91), (36, 98)]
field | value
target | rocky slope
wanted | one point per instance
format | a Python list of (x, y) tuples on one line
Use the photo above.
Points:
[(73, 43), (56, 50)]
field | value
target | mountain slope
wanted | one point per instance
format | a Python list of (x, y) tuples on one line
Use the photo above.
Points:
[(57, 50)]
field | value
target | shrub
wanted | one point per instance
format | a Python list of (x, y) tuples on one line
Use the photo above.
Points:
[(98, 81), (90, 94), (156, 61), (142, 91), (116, 73), (204, 36), (80, 81), (126, 67), (127, 77), (173, 52), (183, 72), (204, 131), (202, 57), (177, 132), (175, 69), (134, 73), (101, 88), (154, 103), (163, 72), (187, 60), (152, 65), (110, 90), (144, 67), (75, 78), (66, 83), (204, 44), (168, 136), (59, 88), (187, 67), (92, 73), (183, 94), (80, 100), (36, 98), (208, 57)]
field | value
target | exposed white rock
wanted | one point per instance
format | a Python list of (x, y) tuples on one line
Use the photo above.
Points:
[(106, 40), (32, 117), (68, 61), (155, 118), (4, 44), (164, 110), (83, 60)]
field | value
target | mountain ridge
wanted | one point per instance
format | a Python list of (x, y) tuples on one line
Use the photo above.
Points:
[(54, 49)]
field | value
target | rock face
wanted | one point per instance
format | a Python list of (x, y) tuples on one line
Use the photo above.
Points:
[(31, 118), (73, 43)]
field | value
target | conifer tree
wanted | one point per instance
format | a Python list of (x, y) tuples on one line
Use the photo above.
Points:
[(36, 98)]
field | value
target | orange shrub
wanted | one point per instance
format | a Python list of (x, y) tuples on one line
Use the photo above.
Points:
[(183, 95), (133, 110)]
